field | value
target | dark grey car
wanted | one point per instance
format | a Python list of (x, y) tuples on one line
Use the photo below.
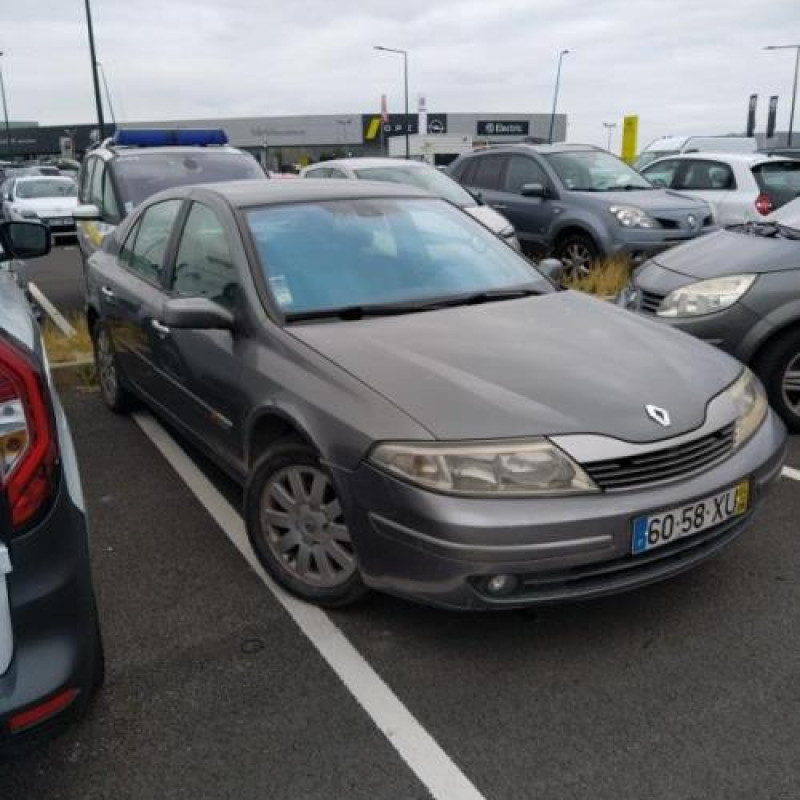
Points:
[(51, 655), (580, 202), (402, 397), (738, 289)]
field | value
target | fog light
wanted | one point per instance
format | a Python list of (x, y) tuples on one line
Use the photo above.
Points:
[(499, 585)]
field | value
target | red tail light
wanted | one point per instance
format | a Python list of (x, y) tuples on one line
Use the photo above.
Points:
[(42, 712), (764, 204), (28, 445)]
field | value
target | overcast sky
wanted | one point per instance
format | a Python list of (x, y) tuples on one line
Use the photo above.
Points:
[(683, 65)]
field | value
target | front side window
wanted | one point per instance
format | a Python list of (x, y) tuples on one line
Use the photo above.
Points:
[(663, 173), (109, 208), (705, 176), (523, 170), (595, 171), (150, 247), (86, 179), (367, 252), (204, 266)]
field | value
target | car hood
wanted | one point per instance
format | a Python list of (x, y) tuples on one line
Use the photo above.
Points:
[(486, 215), (49, 206), (650, 200), (727, 252), (555, 364)]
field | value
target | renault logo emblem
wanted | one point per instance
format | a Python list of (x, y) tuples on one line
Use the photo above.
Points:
[(659, 415)]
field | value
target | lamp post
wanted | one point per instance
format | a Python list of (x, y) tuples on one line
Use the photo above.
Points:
[(555, 94), (403, 53), (796, 48), (97, 101), (5, 109), (609, 126), (108, 93)]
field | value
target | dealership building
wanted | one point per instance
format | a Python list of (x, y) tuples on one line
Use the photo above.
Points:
[(290, 140)]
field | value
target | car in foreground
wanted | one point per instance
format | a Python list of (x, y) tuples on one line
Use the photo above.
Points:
[(48, 199), (737, 289), (136, 163), (580, 202), (401, 396), (739, 187), (421, 175), (51, 653)]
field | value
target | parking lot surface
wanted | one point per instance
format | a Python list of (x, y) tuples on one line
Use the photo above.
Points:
[(60, 276), (686, 689)]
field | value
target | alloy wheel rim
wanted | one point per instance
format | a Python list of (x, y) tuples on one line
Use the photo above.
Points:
[(577, 257), (790, 384), (107, 368), (303, 525)]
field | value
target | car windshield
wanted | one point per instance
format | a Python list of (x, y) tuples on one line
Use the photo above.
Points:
[(425, 178), (370, 252), (779, 179), (595, 171), (140, 175), (46, 187)]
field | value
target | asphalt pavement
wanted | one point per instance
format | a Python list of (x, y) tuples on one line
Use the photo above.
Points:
[(684, 690), (60, 276)]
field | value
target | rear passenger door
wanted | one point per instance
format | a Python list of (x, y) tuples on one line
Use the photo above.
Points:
[(532, 217), (199, 370)]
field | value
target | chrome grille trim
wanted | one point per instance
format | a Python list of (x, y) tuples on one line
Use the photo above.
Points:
[(650, 301)]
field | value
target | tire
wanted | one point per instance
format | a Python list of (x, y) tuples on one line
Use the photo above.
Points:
[(577, 252), (115, 395), (296, 527), (779, 362)]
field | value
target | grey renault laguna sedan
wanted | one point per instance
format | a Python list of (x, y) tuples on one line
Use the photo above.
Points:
[(407, 405)]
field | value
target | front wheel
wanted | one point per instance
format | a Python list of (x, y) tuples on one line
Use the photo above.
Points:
[(297, 528), (577, 252), (779, 369)]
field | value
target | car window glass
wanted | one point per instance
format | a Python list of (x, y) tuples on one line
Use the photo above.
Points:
[(661, 174), (126, 248), (96, 187), (109, 209), (522, 170), (86, 179), (337, 173), (321, 172), (151, 241), (488, 172), (204, 267), (466, 174), (705, 176), (779, 179)]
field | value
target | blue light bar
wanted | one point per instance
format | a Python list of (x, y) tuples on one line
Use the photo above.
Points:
[(155, 137)]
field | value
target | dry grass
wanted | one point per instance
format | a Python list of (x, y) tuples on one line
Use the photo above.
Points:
[(608, 277), (62, 349)]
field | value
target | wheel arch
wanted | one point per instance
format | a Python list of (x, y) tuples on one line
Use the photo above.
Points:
[(268, 426)]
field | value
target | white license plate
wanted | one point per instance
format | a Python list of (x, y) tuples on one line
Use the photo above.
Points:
[(656, 530)]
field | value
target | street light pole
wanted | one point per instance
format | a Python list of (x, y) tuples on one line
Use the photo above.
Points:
[(555, 94), (97, 101), (5, 109), (108, 94), (609, 126), (403, 53), (796, 48)]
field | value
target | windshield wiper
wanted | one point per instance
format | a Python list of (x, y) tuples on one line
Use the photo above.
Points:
[(390, 309)]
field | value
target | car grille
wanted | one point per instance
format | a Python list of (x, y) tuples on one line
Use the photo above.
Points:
[(650, 301), (668, 464)]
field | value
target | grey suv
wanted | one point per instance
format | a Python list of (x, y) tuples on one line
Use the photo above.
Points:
[(580, 202)]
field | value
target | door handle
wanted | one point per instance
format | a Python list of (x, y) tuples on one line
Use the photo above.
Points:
[(107, 293), (159, 327)]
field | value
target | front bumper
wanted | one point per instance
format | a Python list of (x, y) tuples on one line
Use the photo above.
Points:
[(440, 550), (639, 245), (53, 619)]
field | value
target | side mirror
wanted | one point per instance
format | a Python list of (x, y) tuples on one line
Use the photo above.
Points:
[(86, 213), (533, 190), (198, 313), (552, 268), (24, 240)]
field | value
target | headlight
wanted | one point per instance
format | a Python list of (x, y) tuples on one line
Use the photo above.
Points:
[(705, 297), (632, 217), (507, 469), (750, 399)]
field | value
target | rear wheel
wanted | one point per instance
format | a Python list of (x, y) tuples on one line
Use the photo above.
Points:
[(116, 397), (297, 528), (577, 252), (779, 368)]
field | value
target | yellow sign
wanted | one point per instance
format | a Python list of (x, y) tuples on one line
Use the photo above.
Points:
[(630, 132), (373, 128)]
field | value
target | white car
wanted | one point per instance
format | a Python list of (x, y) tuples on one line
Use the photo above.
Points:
[(421, 175), (44, 198), (677, 145), (740, 187)]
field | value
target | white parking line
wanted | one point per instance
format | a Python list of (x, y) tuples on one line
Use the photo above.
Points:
[(434, 768), (790, 472), (51, 311)]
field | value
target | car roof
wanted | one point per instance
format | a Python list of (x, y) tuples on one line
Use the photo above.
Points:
[(543, 149), (249, 193), (354, 163), (113, 151), (747, 159), (34, 178)]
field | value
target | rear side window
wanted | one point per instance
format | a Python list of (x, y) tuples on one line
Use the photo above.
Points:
[(779, 179), (150, 247), (705, 176), (522, 170), (489, 172)]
